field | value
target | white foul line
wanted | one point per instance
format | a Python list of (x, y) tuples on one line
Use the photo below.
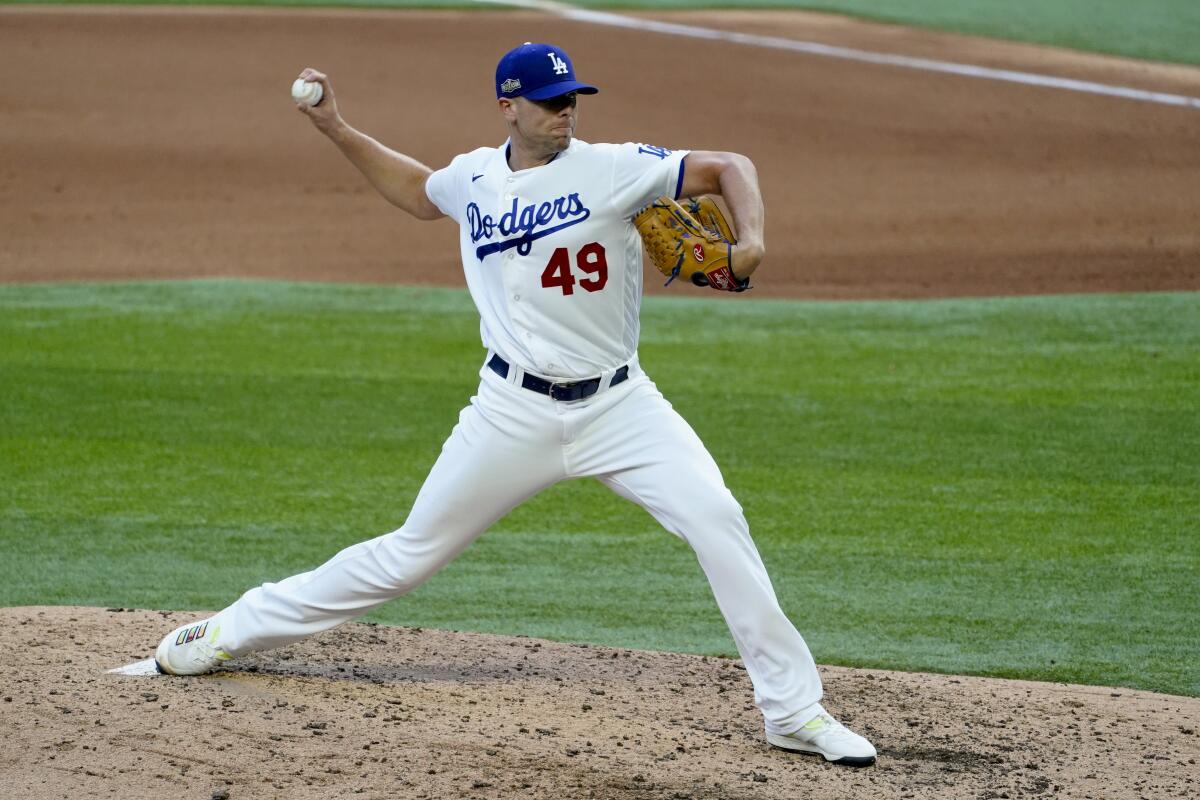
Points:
[(851, 54)]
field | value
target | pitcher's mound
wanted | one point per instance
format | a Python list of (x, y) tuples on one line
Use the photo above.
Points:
[(383, 712)]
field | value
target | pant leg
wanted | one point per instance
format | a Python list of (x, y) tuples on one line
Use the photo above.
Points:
[(503, 450), (646, 452)]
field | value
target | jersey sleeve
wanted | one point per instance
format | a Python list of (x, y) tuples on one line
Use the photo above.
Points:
[(444, 189), (643, 172)]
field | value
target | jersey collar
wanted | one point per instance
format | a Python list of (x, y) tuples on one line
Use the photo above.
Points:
[(506, 151)]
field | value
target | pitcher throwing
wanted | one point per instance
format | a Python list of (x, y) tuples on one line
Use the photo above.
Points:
[(554, 265)]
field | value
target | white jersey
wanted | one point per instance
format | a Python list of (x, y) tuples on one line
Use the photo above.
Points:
[(552, 258)]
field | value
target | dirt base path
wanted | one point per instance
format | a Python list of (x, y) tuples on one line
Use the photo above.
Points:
[(163, 142), (382, 712)]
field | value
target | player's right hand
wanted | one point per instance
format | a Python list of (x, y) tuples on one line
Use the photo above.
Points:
[(325, 113)]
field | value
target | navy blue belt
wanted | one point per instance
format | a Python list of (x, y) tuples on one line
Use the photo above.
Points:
[(575, 390)]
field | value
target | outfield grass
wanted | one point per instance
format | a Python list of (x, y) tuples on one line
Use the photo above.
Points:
[(1161, 30), (1004, 487)]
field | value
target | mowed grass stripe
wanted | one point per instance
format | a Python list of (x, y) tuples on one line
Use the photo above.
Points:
[(1004, 487)]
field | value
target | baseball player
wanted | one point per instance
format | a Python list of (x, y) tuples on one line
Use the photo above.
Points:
[(554, 265)]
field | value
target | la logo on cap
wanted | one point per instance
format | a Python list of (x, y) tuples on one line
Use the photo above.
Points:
[(522, 72)]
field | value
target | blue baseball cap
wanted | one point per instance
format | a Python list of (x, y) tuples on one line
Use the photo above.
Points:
[(538, 72)]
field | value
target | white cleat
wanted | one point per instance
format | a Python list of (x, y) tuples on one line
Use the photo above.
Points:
[(825, 736), (190, 650)]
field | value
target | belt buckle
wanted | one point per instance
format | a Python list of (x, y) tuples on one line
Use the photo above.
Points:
[(565, 386)]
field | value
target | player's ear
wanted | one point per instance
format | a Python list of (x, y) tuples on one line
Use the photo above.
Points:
[(508, 108)]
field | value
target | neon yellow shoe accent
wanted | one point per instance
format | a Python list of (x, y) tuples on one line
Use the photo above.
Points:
[(191, 650)]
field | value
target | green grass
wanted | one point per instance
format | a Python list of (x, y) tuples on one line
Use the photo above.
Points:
[(1004, 487), (1161, 30)]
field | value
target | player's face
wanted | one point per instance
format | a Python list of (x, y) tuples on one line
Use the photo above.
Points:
[(546, 125)]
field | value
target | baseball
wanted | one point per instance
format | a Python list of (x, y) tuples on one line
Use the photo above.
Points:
[(307, 92)]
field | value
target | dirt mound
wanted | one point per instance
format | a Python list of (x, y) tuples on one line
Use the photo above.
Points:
[(387, 712)]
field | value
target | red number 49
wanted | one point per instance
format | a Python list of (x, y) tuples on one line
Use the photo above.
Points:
[(589, 259)]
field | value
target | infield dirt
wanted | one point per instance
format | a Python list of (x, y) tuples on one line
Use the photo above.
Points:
[(142, 143), (164, 142)]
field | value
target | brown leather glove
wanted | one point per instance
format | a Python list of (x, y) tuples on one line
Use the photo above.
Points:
[(693, 239)]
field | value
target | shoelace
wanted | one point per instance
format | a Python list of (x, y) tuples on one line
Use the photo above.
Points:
[(829, 725)]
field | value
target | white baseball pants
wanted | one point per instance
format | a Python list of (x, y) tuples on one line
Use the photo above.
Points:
[(510, 443)]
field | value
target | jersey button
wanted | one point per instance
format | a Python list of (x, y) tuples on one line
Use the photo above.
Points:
[(517, 297)]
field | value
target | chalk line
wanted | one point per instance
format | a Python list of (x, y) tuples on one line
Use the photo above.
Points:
[(850, 54)]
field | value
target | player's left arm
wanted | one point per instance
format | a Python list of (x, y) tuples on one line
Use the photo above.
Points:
[(735, 179)]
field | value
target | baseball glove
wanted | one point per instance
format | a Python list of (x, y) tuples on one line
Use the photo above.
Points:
[(693, 239)]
